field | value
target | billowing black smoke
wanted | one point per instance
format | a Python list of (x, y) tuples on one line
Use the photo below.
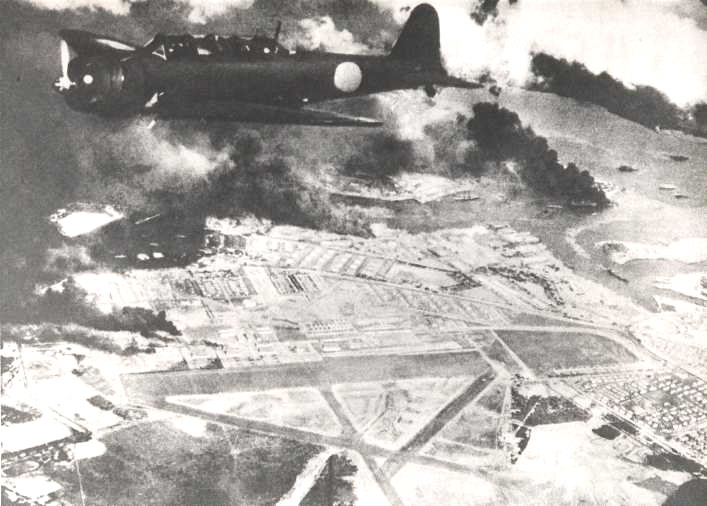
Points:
[(454, 151), (477, 146), (53, 156), (186, 170), (643, 104), (69, 304), (486, 9), (273, 188), (699, 113), (381, 156), (498, 135)]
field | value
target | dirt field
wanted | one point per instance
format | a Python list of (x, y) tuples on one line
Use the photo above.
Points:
[(544, 351)]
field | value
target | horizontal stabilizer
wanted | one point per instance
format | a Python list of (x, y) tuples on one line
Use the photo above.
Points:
[(256, 113)]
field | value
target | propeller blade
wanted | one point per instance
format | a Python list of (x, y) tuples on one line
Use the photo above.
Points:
[(65, 57), (91, 44), (64, 82)]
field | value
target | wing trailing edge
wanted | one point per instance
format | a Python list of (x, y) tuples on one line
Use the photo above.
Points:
[(446, 80), (256, 113)]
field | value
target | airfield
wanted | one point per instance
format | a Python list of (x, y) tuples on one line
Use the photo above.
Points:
[(363, 363), (481, 305)]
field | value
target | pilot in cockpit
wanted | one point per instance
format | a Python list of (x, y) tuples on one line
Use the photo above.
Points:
[(211, 44), (184, 47), (173, 47)]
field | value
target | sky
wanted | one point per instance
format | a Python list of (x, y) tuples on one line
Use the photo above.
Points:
[(659, 43)]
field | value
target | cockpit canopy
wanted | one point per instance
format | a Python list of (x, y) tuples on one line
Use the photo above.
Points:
[(184, 47)]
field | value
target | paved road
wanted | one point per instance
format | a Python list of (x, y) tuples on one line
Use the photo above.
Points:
[(347, 426), (152, 389), (509, 305), (526, 370), (350, 431), (452, 409), (321, 374), (350, 438), (299, 435), (383, 481)]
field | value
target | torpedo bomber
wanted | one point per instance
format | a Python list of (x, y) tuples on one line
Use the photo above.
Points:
[(253, 79)]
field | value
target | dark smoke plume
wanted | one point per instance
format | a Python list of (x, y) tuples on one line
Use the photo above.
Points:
[(699, 113), (499, 136), (454, 151), (643, 104), (486, 9), (381, 156), (52, 156), (121, 343), (70, 305), (273, 188)]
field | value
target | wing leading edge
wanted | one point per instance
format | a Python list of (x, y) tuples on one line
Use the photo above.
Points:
[(257, 113)]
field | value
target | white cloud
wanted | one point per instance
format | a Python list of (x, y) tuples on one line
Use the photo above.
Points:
[(638, 42), (202, 10), (173, 163), (657, 43), (320, 33), (114, 6)]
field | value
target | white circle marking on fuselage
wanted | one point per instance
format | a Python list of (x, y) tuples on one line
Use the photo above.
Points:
[(347, 77)]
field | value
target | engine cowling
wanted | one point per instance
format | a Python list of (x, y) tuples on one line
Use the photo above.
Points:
[(104, 85)]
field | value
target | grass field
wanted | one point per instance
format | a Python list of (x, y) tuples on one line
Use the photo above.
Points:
[(492, 400), (544, 351), (159, 464), (334, 485), (390, 413), (496, 351), (302, 408), (476, 426)]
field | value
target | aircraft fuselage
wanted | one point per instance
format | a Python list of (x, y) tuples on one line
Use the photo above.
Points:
[(291, 80), (243, 79)]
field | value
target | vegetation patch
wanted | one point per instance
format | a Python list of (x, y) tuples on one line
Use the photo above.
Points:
[(545, 351), (334, 485), (540, 410), (156, 463)]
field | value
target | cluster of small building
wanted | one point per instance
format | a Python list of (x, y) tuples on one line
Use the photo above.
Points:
[(520, 248), (695, 442), (293, 283), (251, 268), (272, 353), (687, 355), (292, 263), (224, 285), (434, 303), (307, 256), (396, 260), (30, 445), (666, 402)]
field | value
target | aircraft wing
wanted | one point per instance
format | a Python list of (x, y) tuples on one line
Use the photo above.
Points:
[(256, 113), (455, 82)]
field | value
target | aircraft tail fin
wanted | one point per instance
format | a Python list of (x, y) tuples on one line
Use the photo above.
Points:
[(419, 39)]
